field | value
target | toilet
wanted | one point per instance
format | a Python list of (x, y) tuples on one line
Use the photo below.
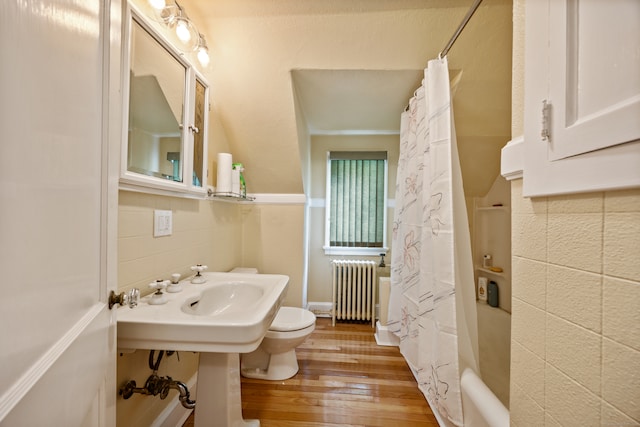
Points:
[(275, 358)]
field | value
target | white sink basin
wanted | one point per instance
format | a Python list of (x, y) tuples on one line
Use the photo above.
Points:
[(231, 297), (229, 313)]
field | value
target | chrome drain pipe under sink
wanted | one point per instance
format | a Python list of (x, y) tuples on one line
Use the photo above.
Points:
[(156, 385)]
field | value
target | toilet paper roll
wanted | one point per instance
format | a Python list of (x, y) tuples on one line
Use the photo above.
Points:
[(223, 184)]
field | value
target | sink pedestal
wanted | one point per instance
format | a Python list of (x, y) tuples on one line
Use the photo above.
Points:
[(218, 399)]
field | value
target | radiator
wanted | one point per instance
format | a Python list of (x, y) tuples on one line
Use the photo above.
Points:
[(354, 290)]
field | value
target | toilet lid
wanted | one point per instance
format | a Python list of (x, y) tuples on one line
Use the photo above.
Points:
[(292, 319)]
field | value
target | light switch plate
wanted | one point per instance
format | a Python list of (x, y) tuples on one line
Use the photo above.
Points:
[(162, 223)]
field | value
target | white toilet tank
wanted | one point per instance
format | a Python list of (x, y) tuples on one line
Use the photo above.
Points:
[(245, 270)]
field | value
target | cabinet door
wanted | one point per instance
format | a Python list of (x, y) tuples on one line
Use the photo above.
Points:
[(198, 129), (166, 105), (592, 83), (594, 75)]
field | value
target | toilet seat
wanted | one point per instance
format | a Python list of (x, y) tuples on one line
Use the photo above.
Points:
[(292, 319)]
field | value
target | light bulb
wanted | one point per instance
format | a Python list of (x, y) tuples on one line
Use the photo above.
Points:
[(158, 4), (203, 55), (182, 30)]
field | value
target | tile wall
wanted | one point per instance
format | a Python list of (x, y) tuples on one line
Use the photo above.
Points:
[(204, 232), (575, 348)]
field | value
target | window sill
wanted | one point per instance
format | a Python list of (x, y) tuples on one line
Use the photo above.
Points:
[(332, 250)]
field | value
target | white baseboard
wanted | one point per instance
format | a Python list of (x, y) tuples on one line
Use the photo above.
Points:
[(320, 309), (174, 414)]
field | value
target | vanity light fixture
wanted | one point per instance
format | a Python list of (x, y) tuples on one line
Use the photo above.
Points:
[(158, 4), (202, 51), (185, 29), (175, 17)]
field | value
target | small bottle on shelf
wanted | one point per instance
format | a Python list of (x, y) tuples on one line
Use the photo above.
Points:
[(492, 294), (486, 261)]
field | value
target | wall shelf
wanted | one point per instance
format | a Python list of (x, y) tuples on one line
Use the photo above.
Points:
[(229, 197), (491, 227), (492, 208), (486, 270)]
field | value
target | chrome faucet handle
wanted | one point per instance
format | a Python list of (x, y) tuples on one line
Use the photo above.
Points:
[(131, 298)]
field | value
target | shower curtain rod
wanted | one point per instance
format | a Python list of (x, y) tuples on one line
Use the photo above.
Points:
[(453, 39), (463, 24)]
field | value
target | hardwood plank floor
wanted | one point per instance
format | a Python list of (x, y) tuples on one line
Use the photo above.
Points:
[(345, 379)]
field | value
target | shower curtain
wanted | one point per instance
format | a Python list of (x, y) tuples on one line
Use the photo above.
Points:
[(432, 301)]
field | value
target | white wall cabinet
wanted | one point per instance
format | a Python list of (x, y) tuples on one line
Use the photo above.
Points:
[(582, 61), (166, 105)]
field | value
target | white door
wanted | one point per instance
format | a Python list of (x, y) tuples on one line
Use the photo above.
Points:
[(58, 207)]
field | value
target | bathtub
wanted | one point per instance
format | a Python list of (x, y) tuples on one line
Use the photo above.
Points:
[(481, 408), (485, 397)]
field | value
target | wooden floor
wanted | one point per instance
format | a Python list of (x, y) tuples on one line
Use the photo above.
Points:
[(345, 379)]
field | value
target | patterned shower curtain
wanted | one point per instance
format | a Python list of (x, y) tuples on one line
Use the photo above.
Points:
[(426, 265)]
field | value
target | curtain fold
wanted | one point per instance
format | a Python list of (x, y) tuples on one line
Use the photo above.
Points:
[(431, 257)]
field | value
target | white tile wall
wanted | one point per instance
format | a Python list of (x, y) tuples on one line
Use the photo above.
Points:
[(567, 402), (530, 281), (528, 369), (583, 288), (621, 377), (576, 309), (202, 234), (621, 244), (621, 316), (524, 411), (575, 351), (575, 240)]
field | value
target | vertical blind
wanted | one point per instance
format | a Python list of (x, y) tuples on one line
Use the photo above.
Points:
[(357, 202)]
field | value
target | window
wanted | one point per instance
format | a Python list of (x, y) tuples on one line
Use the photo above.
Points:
[(356, 203)]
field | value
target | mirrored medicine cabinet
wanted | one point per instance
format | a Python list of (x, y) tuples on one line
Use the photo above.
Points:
[(165, 105)]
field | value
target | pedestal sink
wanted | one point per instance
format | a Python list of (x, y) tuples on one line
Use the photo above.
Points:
[(228, 314)]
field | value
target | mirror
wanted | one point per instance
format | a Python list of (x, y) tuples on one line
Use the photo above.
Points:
[(198, 133), (156, 108), (166, 104)]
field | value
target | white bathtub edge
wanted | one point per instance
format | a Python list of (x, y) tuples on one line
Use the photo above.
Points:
[(484, 402)]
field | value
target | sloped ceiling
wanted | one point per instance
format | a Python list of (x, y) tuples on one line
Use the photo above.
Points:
[(354, 101), (283, 69)]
